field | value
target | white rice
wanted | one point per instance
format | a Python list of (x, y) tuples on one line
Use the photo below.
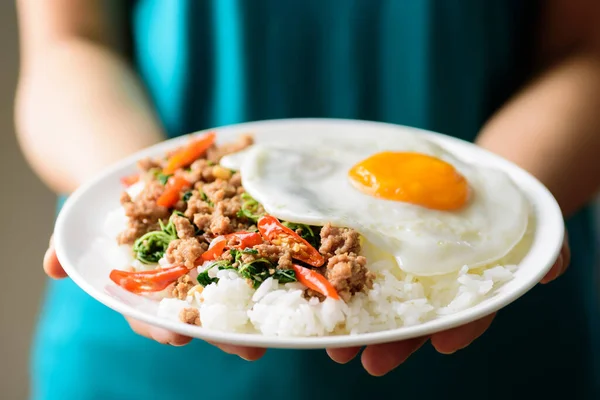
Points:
[(397, 299)]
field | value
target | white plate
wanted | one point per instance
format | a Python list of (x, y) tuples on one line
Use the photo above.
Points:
[(81, 221)]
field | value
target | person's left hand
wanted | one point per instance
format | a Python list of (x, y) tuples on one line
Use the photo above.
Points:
[(382, 358)]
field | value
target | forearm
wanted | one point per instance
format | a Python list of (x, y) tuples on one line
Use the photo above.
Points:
[(79, 108), (552, 129)]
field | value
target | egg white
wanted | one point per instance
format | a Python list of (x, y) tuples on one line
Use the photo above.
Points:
[(307, 182)]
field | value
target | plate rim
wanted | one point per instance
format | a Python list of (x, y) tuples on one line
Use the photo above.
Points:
[(348, 340)]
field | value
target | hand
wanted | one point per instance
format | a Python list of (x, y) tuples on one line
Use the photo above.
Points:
[(378, 359), (54, 270), (382, 358)]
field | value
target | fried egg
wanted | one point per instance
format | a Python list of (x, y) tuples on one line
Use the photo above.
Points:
[(412, 198)]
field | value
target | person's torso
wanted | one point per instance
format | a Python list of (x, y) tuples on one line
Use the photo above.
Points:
[(439, 65)]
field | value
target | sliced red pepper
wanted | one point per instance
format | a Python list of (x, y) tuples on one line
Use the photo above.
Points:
[(238, 240), (315, 281), (216, 248), (130, 180), (243, 240), (172, 192), (273, 231), (147, 281), (190, 153)]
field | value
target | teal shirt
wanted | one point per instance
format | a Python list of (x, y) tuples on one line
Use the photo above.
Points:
[(439, 65)]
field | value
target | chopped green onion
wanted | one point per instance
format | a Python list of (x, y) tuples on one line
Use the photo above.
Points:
[(152, 246), (250, 208), (205, 198), (285, 275), (162, 178), (205, 280), (256, 271)]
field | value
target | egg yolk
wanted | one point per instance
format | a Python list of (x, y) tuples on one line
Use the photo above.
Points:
[(412, 178)]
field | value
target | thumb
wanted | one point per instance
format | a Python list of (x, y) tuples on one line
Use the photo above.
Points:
[(52, 266)]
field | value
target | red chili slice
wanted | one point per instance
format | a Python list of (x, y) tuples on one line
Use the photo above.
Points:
[(243, 240), (273, 231), (238, 240), (190, 153), (147, 281), (130, 180), (216, 248), (315, 281), (172, 192)]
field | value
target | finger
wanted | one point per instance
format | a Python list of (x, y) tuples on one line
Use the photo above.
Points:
[(566, 252), (380, 359), (449, 341), (555, 271), (247, 353), (52, 266), (343, 355), (160, 335), (561, 265)]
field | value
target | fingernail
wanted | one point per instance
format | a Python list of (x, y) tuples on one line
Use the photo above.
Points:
[(342, 362), (160, 335), (565, 264), (560, 264), (558, 267)]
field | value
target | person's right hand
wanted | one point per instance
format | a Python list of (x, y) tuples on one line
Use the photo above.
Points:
[(54, 270)]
